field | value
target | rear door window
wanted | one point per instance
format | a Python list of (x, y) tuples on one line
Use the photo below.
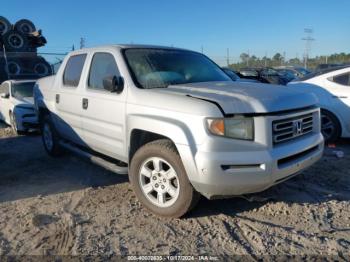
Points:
[(73, 70)]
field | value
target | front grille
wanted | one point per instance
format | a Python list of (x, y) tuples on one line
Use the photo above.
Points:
[(290, 128)]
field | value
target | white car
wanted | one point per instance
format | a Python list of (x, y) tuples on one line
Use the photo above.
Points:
[(16, 105), (332, 87)]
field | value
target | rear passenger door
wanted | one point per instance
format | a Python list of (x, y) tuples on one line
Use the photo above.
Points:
[(103, 117), (68, 100)]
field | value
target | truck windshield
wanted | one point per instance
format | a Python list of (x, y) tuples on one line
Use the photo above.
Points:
[(21, 90), (159, 68)]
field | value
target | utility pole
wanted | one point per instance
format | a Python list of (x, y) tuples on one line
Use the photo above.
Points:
[(284, 58), (228, 57), (202, 50), (308, 40), (265, 60), (248, 58), (82, 42)]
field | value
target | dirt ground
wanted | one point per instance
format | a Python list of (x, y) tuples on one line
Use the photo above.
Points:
[(68, 206)]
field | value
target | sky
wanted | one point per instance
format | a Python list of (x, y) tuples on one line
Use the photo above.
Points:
[(260, 27)]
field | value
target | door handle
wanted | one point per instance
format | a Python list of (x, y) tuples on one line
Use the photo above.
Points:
[(85, 103), (340, 97), (57, 98)]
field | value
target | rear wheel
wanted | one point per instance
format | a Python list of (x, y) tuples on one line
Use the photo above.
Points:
[(160, 181), (330, 126), (50, 138)]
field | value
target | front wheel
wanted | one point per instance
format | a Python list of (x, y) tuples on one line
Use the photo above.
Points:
[(50, 137), (330, 126), (160, 181)]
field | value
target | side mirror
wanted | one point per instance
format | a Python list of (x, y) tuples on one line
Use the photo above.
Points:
[(114, 84), (5, 96)]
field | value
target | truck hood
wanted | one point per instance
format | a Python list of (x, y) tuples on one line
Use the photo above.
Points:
[(246, 97)]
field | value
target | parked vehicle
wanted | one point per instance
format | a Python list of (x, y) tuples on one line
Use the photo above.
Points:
[(332, 87), (322, 67), (178, 122), (297, 71), (264, 75), (286, 74), (235, 76), (16, 105)]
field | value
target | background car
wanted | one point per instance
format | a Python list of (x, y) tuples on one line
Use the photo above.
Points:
[(297, 71), (287, 74), (322, 67), (235, 76), (332, 87), (16, 105), (264, 75)]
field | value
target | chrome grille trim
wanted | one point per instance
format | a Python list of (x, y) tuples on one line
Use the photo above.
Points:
[(293, 127)]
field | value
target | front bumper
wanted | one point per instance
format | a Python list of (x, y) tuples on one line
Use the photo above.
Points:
[(237, 173), (26, 120)]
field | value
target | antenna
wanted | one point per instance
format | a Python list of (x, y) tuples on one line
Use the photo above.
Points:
[(308, 40)]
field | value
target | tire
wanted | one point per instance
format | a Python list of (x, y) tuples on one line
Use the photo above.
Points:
[(25, 26), (330, 126), (183, 196), (5, 25), (15, 41), (50, 137), (41, 67), (14, 67)]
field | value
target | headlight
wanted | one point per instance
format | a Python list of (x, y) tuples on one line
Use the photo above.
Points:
[(236, 127)]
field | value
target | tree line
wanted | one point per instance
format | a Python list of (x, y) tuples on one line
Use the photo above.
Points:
[(278, 59)]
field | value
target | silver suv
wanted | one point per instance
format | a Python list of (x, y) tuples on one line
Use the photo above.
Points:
[(177, 124)]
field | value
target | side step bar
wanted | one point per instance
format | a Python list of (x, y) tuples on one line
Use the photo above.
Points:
[(95, 159)]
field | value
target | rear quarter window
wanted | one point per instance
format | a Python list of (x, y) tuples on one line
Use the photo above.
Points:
[(73, 70), (343, 79)]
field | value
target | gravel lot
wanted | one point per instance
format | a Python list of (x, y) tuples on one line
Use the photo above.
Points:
[(68, 206)]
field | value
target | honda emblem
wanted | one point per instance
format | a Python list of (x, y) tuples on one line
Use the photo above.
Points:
[(298, 127)]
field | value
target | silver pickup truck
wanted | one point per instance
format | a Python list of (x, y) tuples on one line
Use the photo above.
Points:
[(177, 124)]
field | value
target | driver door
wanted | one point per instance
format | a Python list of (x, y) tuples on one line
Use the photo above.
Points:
[(103, 116)]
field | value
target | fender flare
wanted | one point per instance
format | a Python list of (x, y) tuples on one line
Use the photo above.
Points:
[(173, 129)]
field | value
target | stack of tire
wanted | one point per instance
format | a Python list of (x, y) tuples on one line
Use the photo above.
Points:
[(18, 57)]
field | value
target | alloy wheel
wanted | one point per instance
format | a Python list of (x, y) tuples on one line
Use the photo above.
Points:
[(159, 182)]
